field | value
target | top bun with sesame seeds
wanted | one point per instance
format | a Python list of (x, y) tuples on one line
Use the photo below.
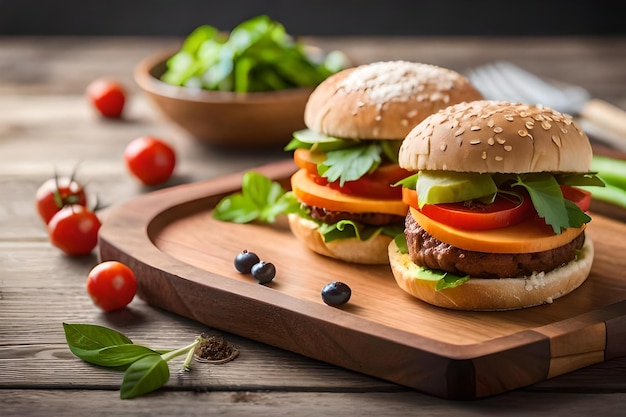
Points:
[(495, 221), (495, 136), (348, 156), (384, 100)]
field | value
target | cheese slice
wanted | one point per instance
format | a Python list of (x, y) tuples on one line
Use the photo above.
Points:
[(525, 237), (317, 195)]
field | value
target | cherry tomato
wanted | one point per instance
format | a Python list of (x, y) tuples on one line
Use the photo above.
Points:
[(581, 198), (504, 211), (56, 193), (376, 185), (111, 285), (150, 159), (107, 96), (74, 230)]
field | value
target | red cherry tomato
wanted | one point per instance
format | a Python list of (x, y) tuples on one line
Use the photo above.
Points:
[(581, 198), (504, 211), (56, 193), (74, 230), (111, 285), (376, 185), (107, 96), (149, 159)]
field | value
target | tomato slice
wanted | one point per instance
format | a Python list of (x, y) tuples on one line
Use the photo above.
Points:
[(375, 185), (581, 198), (506, 210)]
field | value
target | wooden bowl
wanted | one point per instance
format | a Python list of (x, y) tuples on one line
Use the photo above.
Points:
[(263, 119)]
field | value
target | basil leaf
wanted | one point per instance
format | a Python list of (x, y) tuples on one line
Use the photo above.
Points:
[(114, 356), (92, 337), (586, 179), (143, 376), (350, 164), (547, 198), (575, 215)]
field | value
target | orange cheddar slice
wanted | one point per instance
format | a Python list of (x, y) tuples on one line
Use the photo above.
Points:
[(317, 195), (525, 237)]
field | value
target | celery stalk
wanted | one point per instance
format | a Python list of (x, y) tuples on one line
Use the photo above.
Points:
[(611, 170)]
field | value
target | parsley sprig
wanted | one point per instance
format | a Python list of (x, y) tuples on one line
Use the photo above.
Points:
[(260, 199)]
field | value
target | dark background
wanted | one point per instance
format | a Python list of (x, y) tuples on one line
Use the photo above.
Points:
[(317, 17)]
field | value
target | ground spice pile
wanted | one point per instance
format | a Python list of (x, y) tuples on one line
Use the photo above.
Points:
[(215, 349)]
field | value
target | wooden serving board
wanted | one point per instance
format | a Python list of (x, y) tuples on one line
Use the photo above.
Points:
[(183, 259)]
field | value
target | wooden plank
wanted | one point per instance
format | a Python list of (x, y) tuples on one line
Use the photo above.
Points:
[(34, 403)]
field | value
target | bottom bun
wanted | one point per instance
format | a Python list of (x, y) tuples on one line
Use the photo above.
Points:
[(479, 294), (372, 251)]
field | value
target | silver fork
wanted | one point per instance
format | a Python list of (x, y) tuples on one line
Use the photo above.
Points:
[(503, 80)]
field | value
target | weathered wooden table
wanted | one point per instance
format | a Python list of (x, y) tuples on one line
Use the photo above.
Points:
[(46, 125)]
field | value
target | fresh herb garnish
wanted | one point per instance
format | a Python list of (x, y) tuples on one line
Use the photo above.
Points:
[(260, 199), (345, 159), (145, 369), (257, 55), (350, 164), (345, 229)]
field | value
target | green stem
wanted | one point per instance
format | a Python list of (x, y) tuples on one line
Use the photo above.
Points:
[(171, 355)]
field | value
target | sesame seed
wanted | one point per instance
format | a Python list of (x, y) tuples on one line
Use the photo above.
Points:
[(529, 125), (563, 130), (484, 155), (411, 114), (491, 123), (474, 141), (404, 122), (475, 128), (523, 114), (497, 129), (508, 148), (522, 133), (443, 147), (546, 125), (459, 132), (499, 158), (501, 141), (557, 140), (378, 118), (490, 141), (509, 117)]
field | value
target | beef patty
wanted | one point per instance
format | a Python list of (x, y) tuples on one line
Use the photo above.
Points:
[(427, 251)]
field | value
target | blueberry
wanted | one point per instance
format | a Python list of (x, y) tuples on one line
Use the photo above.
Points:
[(245, 260), (263, 272), (336, 293)]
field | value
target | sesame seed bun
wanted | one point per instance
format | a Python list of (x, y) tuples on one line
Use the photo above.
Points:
[(372, 251), (383, 100), (493, 136), (478, 294)]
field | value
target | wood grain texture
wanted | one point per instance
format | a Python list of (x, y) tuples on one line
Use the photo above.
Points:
[(185, 258)]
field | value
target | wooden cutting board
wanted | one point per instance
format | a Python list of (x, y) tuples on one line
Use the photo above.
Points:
[(183, 259)]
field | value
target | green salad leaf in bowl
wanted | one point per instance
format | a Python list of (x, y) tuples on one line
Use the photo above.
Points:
[(257, 55)]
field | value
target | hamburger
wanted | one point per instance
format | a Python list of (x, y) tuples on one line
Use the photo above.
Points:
[(356, 120), (495, 220)]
